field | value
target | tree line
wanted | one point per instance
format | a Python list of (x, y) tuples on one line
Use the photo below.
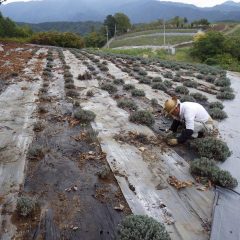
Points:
[(113, 25), (10, 29), (175, 22)]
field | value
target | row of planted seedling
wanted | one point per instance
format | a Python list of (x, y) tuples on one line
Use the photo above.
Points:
[(26, 205), (182, 91), (159, 84), (210, 149), (209, 74)]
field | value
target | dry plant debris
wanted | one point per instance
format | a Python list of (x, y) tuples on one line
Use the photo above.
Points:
[(92, 156), (173, 181), (71, 121), (136, 138)]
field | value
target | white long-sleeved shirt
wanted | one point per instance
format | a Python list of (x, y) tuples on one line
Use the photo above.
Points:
[(191, 112)]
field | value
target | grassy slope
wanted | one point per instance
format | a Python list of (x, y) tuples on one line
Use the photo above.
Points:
[(146, 32), (149, 40)]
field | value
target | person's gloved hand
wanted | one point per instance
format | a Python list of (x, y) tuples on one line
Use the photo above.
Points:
[(172, 142), (168, 133)]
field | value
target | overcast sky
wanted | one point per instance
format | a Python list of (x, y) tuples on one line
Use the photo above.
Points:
[(199, 3)]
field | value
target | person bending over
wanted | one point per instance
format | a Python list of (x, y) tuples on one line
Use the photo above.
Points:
[(192, 115)]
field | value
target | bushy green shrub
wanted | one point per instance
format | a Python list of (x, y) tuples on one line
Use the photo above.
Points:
[(36, 152), (72, 93), (38, 127), (25, 206), (142, 72), (168, 83), (225, 95), (226, 89), (217, 113), (177, 79), (222, 82), (45, 84), (168, 75), (128, 87), (47, 74), (142, 117), (189, 83), (85, 76), (187, 98), (205, 167), (224, 179), (110, 88), (69, 86), (216, 105), (200, 76), (66, 39), (50, 58), (211, 148), (47, 69), (145, 80), (210, 79), (67, 74), (90, 93), (69, 80), (211, 61), (157, 79), (84, 116), (202, 167), (91, 68), (42, 110), (136, 69), (182, 90), (159, 86), (118, 81), (141, 228), (103, 67), (127, 104), (104, 172), (138, 93), (199, 96)]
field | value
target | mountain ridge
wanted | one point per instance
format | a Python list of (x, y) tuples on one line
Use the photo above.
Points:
[(94, 10)]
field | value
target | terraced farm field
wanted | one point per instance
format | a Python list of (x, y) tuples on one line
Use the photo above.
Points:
[(156, 40), (72, 142), (157, 31)]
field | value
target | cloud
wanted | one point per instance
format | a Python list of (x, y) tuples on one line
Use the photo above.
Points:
[(201, 3)]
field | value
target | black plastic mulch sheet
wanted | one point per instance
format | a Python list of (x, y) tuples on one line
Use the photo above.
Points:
[(226, 219)]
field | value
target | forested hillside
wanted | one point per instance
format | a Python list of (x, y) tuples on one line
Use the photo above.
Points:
[(81, 28)]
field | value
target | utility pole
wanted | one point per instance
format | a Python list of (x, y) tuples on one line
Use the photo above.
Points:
[(115, 33), (107, 36)]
